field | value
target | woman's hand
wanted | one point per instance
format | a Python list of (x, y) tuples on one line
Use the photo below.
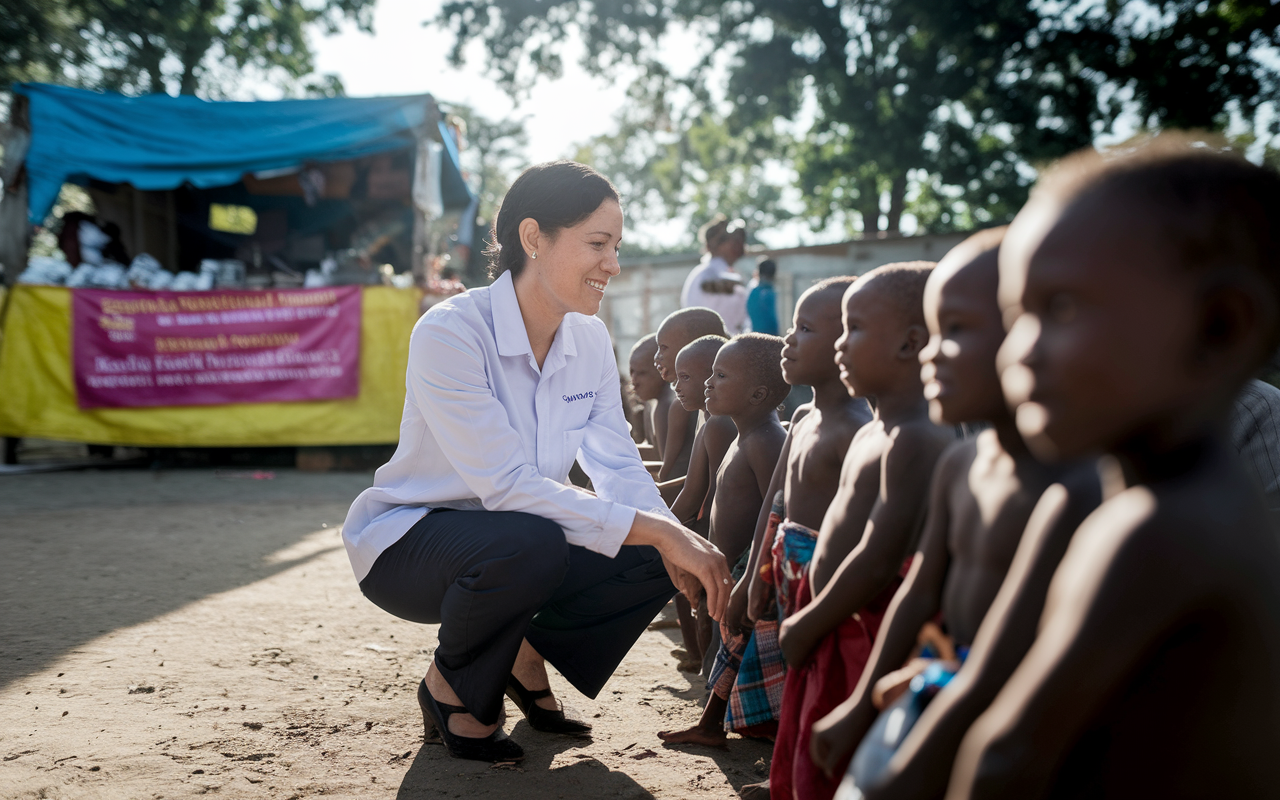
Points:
[(686, 583), (693, 563)]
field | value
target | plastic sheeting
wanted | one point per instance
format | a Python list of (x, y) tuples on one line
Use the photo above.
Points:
[(159, 142), (39, 397)]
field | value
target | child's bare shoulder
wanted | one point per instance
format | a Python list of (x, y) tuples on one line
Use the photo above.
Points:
[(719, 431), (918, 438), (1204, 534), (956, 460), (801, 412), (765, 439)]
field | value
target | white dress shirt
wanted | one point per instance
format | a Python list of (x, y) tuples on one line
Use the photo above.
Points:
[(732, 308), (484, 428)]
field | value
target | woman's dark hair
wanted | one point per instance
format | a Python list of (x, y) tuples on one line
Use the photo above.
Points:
[(556, 195)]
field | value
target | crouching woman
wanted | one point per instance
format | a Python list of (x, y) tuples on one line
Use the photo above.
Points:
[(471, 524)]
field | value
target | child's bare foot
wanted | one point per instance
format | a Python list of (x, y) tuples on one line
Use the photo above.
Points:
[(755, 791), (711, 737), (686, 662)]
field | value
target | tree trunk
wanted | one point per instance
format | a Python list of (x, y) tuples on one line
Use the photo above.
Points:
[(869, 208), (200, 39), (150, 57), (897, 198)]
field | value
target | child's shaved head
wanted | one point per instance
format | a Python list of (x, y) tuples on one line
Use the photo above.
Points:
[(829, 287), (692, 323), (647, 346), (680, 328), (902, 287), (703, 345), (692, 367), (1214, 210), (763, 357)]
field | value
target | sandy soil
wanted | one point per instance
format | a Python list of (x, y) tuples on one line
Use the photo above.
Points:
[(175, 633)]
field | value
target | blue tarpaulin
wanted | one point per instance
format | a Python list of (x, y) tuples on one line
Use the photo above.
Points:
[(157, 142)]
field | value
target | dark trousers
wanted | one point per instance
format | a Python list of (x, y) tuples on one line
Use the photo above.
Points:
[(492, 578)]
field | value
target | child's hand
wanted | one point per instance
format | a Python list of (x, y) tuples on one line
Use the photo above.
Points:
[(796, 641), (831, 742), (686, 582), (759, 598), (735, 616)]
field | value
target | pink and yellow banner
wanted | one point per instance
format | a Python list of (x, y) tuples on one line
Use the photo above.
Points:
[(134, 349)]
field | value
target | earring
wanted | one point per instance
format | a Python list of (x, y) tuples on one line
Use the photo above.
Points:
[(533, 255)]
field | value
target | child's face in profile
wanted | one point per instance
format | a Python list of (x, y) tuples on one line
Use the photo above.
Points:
[(868, 343), (645, 380), (958, 366), (815, 326), (670, 340), (692, 370), (1102, 326), (729, 387)]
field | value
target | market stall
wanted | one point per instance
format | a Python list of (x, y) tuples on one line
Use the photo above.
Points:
[(246, 276)]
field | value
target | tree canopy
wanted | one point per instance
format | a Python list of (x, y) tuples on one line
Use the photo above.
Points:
[(880, 107), (182, 46)]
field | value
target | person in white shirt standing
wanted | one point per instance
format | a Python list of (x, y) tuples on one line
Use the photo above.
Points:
[(714, 283), (473, 525)]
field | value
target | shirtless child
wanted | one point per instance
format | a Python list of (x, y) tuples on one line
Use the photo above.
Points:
[(652, 390), (746, 385), (676, 331), (873, 522), (983, 493), (715, 433), (807, 474), (1143, 292), (693, 503)]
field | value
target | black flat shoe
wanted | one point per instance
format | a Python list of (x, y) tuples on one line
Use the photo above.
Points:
[(543, 719), (435, 722)]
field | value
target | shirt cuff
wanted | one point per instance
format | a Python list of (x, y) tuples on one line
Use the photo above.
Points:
[(617, 526)]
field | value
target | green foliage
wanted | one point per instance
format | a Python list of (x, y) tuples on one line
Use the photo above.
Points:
[(188, 46), (38, 38), (940, 109), (672, 156)]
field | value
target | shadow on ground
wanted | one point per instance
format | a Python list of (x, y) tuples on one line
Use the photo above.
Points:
[(551, 769), (89, 552)]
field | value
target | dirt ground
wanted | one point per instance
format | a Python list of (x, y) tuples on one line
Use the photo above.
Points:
[(175, 633)]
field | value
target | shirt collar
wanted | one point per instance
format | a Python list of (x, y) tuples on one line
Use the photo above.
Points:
[(508, 324), (509, 331)]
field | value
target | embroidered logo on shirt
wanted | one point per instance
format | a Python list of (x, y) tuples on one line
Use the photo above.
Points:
[(569, 398)]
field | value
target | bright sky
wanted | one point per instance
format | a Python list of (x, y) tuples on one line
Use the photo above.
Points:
[(405, 57)]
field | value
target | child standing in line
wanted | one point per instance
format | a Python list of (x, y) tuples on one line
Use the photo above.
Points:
[(872, 524), (806, 476), (984, 491), (676, 331), (652, 389), (746, 385), (693, 503), (1143, 292)]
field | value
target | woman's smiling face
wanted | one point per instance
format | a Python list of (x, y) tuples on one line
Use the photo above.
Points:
[(574, 265)]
